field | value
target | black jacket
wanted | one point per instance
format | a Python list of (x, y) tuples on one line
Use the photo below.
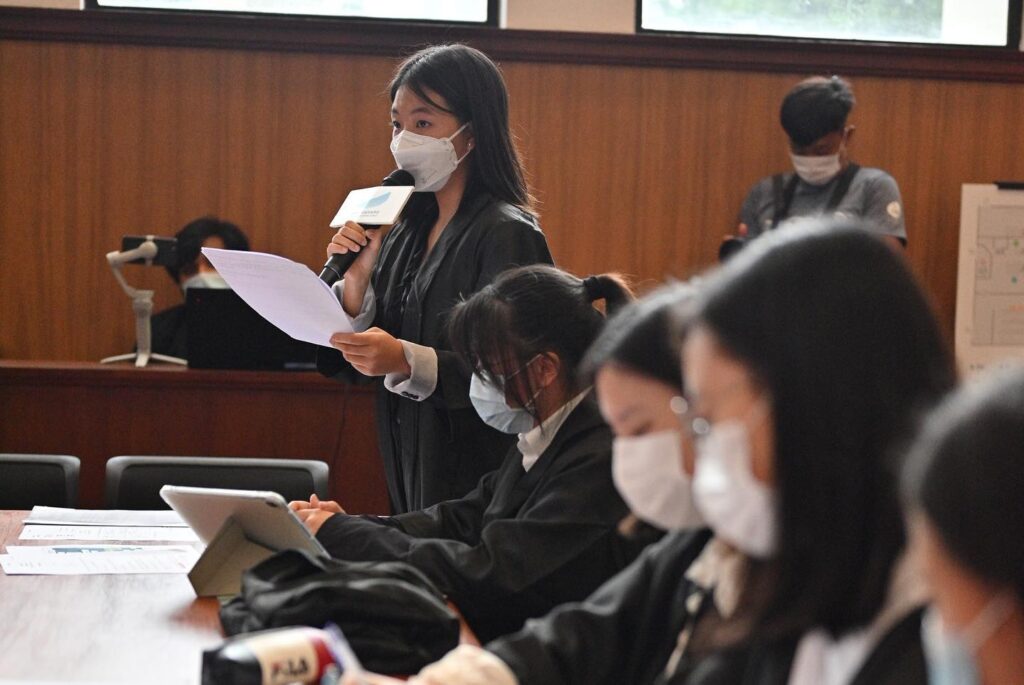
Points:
[(518, 545), (169, 332), (626, 632), (437, 449)]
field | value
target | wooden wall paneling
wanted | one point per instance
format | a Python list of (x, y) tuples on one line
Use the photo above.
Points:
[(639, 169)]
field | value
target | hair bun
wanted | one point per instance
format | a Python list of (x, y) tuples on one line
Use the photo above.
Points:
[(593, 287)]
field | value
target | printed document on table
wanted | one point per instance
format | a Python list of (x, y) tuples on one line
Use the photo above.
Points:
[(58, 516), (57, 550), (285, 293), (84, 562), (109, 533)]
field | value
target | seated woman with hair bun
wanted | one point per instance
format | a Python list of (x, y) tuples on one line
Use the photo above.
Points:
[(542, 529)]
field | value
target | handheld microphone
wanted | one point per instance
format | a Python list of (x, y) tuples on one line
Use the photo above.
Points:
[(338, 264)]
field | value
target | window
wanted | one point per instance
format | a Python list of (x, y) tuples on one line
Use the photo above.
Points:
[(468, 11), (955, 22)]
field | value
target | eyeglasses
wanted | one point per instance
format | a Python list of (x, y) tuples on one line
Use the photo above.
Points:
[(501, 380), (685, 408), (690, 421)]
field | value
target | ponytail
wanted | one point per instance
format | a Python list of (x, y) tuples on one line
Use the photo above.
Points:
[(612, 288)]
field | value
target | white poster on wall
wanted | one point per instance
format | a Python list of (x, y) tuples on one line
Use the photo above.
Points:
[(990, 278)]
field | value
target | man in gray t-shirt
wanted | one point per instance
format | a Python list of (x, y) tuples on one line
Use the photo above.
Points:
[(825, 181)]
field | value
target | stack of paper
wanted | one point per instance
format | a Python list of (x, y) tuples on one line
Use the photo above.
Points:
[(52, 523)]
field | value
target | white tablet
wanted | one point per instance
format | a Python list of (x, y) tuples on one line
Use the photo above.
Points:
[(263, 516)]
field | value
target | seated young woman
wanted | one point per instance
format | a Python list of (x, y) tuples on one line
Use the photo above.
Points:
[(804, 378), (542, 529), (964, 479)]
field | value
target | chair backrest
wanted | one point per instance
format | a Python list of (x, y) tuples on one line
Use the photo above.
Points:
[(44, 479), (134, 482)]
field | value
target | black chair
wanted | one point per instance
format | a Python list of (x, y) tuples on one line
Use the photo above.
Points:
[(44, 479), (134, 482)]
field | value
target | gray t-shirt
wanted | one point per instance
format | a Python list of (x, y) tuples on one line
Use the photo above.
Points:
[(873, 195)]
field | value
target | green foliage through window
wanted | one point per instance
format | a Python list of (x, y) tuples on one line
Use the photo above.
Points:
[(926, 21)]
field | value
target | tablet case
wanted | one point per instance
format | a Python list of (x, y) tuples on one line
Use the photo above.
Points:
[(229, 551)]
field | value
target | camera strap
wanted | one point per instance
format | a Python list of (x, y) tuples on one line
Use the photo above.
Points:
[(784, 188)]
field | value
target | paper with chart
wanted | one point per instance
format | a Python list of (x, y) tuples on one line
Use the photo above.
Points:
[(65, 560), (990, 282), (285, 293)]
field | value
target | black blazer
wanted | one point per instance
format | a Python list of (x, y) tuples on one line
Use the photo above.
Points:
[(169, 332), (627, 630), (519, 544), (437, 449)]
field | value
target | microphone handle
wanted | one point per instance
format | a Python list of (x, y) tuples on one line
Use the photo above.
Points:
[(336, 267)]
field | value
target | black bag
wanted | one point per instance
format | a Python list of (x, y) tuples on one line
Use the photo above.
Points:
[(395, 619)]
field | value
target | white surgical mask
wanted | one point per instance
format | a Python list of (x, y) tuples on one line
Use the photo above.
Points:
[(950, 654), (489, 401), (431, 161), (740, 509), (816, 171), (206, 280), (648, 472)]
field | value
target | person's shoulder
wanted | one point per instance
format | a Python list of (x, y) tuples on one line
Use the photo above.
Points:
[(501, 213), (876, 177), (584, 435), (502, 226), (675, 552), (763, 186)]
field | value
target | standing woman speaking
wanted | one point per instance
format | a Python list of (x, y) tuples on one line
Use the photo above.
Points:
[(470, 219)]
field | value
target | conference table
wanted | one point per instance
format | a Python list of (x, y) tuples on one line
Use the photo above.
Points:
[(131, 628), (134, 628)]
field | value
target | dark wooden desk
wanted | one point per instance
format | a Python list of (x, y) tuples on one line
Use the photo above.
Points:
[(98, 411), (147, 628)]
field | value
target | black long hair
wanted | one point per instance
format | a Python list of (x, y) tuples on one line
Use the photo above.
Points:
[(533, 310), (966, 472), (837, 331), (474, 90)]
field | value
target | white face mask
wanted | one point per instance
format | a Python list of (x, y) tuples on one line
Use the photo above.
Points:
[(816, 171), (950, 654), (648, 472), (739, 508), (489, 401), (206, 280), (431, 161)]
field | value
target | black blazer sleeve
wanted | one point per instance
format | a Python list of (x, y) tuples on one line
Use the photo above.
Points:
[(558, 547), (507, 244), (378, 538), (623, 633)]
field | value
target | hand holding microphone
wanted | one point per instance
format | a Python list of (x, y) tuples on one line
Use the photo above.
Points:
[(354, 241), (351, 253)]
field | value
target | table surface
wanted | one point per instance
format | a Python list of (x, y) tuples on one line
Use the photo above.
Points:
[(132, 628), (145, 628)]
